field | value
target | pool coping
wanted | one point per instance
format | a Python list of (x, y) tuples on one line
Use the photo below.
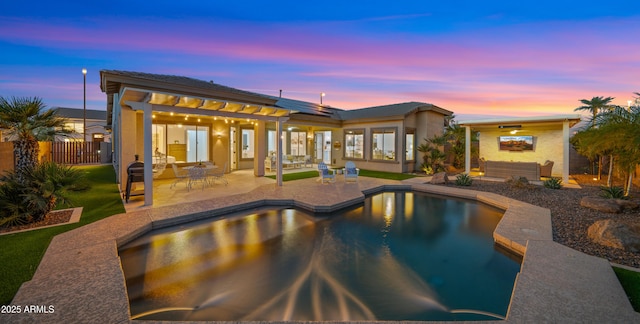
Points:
[(555, 283)]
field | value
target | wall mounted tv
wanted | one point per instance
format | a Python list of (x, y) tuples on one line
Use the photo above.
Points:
[(516, 143)]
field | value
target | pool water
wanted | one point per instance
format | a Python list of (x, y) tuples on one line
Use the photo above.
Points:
[(397, 256)]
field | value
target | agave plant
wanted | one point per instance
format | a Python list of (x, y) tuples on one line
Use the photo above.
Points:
[(612, 192), (553, 183), (463, 179)]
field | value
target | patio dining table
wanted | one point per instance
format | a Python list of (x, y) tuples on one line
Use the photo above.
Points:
[(199, 173)]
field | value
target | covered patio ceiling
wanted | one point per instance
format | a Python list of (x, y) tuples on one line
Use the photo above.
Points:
[(519, 123), (171, 102)]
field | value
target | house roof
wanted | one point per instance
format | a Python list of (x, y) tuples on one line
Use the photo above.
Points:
[(78, 113), (400, 110), (166, 82), (308, 107), (188, 93)]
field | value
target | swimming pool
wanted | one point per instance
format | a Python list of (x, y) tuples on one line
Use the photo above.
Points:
[(398, 256)]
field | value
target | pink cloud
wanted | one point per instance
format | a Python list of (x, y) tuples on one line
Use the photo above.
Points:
[(528, 69)]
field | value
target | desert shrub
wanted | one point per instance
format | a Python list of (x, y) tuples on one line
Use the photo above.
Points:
[(428, 170), (518, 182), (463, 179), (553, 183), (612, 192), (43, 187)]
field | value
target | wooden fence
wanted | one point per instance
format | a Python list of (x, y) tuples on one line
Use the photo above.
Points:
[(60, 152), (75, 152)]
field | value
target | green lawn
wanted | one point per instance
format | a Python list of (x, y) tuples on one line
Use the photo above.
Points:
[(630, 281), (21, 253), (363, 173)]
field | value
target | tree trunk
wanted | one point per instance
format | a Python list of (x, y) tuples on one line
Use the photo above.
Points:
[(599, 167), (26, 153), (627, 189), (610, 179)]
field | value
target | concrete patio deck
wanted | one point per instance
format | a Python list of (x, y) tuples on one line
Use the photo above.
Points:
[(81, 276)]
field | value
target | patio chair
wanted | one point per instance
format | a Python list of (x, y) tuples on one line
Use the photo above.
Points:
[(545, 169), (181, 175), (325, 173), (481, 164), (350, 171), (197, 174), (218, 174), (159, 168), (308, 162), (270, 163), (211, 171), (287, 161)]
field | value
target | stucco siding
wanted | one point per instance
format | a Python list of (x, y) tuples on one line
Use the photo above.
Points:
[(547, 146)]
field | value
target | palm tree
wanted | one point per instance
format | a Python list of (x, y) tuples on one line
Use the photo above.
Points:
[(620, 127), (617, 133), (27, 122), (433, 156), (596, 105), (456, 137)]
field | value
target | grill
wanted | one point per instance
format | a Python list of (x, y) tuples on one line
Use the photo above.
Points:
[(135, 173)]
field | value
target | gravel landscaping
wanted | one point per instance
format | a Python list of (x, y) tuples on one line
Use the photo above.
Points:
[(570, 220)]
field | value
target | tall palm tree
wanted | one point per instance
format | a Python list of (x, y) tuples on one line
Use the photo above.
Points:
[(595, 106), (27, 122)]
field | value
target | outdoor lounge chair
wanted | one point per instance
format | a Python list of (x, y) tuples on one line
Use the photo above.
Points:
[(181, 175), (325, 173), (545, 169), (350, 171)]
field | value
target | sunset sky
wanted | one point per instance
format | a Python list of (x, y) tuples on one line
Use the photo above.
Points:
[(476, 58)]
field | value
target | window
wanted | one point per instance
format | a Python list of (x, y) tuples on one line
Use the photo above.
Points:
[(383, 144), (185, 143), (271, 142), (298, 143), (197, 143), (409, 139), (247, 143), (354, 144)]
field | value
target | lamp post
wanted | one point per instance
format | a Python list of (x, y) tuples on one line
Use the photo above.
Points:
[(322, 94), (84, 114)]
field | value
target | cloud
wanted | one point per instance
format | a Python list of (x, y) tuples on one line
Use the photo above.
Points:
[(525, 69)]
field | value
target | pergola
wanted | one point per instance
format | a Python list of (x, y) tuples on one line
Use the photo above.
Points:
[(558, 122), (149, 100)]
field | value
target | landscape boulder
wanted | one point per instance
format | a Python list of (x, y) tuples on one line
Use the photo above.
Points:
[(616, 234), (627, 204), (439, 178), (601, 204)]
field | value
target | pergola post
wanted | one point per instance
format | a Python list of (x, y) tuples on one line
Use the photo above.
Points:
[(467, 149), (148, 154), (565, 151), (279, 152)]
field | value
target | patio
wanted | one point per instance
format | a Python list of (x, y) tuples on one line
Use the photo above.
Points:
[(86, 284), (239, 182)]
